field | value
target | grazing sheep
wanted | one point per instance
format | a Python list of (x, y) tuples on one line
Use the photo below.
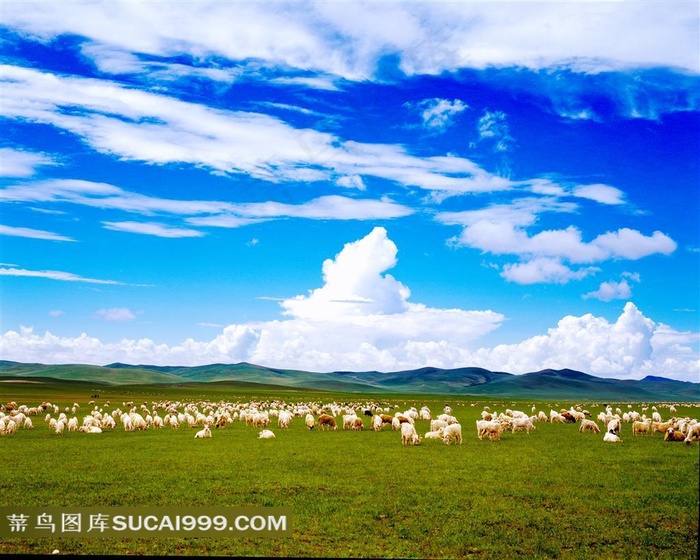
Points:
[(309, 421), (661, 427), (437, 424), (611, 437), (491, 429), (203, 433), (266, 434), (377, 423), (589, 425), (349, 421), (526, 424), (327, 421), (284, 419), (357, 424), (452, 432), (614, 426), (409, 436), (674, 435), (641, 428)]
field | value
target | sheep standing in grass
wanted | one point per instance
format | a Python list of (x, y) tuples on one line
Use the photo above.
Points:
[(641, 427), (527, 424), (284, 419), (588, 425), (327, 421), (310, 421), (452, 432), (409, 436)]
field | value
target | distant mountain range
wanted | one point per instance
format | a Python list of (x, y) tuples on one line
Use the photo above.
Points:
[(545, 384)]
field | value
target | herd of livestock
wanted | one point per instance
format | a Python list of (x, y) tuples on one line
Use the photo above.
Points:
[(266, 415)]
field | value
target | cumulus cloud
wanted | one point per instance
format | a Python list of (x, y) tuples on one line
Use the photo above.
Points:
[(609, 291), (547, 256), (631, 347), (362, 318)]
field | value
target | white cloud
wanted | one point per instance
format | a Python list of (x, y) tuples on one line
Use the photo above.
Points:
[(208, 213), (501, 230), (119, 314), (53, 275), (604, 194), (150, 228), (143, 126), (349, 40), (354, 284), (609, 291), (544, 270), (439, 114), (18, 163), (352, 182), (32, 233), (56, 313), (361, 319), (493, 126)]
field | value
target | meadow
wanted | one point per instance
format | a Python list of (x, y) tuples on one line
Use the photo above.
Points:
[(553, 493)]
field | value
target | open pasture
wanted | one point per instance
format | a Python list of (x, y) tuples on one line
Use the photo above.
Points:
[(552, 493)]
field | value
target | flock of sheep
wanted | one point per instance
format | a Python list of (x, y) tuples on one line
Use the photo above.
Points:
[(261, 414)]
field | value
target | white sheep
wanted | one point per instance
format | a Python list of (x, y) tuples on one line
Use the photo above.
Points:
[(409, 436), (526, 424), (266, 434), (203, 433), (310, 421), (611, 437), (433, 435), (693, 433), (589, 425), (452, 432), (284, 419)]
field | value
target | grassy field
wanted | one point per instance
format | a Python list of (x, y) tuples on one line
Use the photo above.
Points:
[(554, 493)]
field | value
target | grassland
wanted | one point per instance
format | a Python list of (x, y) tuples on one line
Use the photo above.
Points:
[(554, 493)]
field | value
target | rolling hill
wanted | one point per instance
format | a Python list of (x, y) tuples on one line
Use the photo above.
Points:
[(543, 384)]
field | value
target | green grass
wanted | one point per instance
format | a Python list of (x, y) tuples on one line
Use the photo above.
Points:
[(552, 494)]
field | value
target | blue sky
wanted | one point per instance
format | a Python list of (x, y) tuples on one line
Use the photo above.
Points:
[(357, 186)]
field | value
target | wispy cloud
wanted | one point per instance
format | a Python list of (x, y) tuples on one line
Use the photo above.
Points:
[(54, 275), (20, 163), (345, 40), (151, 228), (143, 126), (32, 233)]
